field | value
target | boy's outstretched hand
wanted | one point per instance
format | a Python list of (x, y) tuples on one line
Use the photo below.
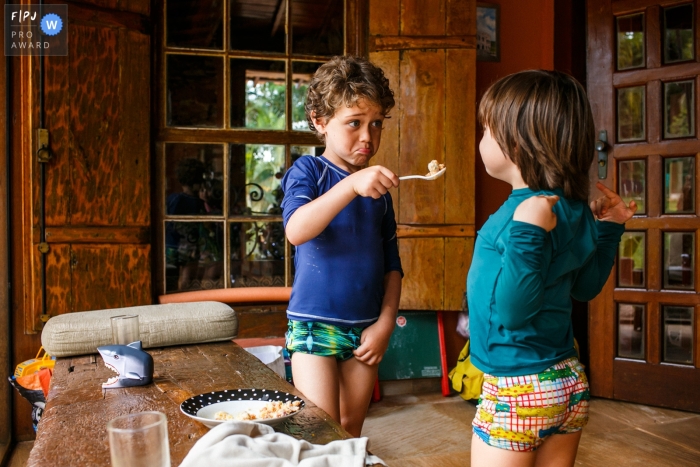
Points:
[(611, 208), (374, 181)]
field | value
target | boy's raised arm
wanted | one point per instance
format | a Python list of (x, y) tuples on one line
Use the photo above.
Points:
[(310, 220)]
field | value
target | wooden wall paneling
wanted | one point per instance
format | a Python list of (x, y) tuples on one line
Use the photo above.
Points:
[(631, 6), (95, 124), (654, 345), (671, 297), (423, 261), (458, 258), (134, 275), (383, 43), (654, 110), (601, 322), (102, 234), (158, 207), (237, 135), (384, 17), (419, 17), (654, 266), (133, 6), (388, 154), (655, 167), (134, 145), (58, 171), (460, 103), (460, 17), (663, 148), (696, 335), (653, 30), (440, 230), (422, 134), (658, 388), (96, 281), (261, 322), (355, 27), (644, 75), (59, 298)]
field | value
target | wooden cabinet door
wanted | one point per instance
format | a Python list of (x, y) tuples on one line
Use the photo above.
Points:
[(96, 186), (428, 51), (643, 79)]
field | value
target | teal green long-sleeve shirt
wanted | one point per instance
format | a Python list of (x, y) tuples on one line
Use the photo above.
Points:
[(521, 281)]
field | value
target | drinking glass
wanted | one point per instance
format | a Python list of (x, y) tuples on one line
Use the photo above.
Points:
[(139, 440), (125, 329)]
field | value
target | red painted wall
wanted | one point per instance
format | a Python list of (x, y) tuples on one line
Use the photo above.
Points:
[(527, 42)]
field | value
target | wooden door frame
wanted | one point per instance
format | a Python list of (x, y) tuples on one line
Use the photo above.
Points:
[(611, 377)]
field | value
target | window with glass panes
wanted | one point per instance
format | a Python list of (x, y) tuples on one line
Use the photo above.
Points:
[(231, 122)]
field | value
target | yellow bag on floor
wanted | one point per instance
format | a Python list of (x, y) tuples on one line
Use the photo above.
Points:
[(465, 377)]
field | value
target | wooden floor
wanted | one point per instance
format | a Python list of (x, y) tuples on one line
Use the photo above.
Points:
[(435, 431)]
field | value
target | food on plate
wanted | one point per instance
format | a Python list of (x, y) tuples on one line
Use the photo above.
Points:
[(434, 167), (274, 409)]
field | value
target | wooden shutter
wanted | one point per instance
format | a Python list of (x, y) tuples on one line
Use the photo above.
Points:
[(428, 51)]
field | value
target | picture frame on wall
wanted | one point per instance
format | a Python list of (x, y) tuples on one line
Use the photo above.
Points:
[(488, 32)]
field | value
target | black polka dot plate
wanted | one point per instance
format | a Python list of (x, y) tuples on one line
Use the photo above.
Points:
[(237, 403)]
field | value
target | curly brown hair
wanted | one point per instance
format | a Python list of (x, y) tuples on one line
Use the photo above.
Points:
[(344, 80), (542, 121)]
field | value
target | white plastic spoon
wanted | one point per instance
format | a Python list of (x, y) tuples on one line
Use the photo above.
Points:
[(437, 174)]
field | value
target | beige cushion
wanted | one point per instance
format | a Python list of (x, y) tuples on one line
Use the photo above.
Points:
[(159, 326)]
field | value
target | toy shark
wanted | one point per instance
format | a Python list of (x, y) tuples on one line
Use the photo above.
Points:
[(133, 366)]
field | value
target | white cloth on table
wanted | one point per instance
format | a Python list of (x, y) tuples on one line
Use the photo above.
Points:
[(249, 444)]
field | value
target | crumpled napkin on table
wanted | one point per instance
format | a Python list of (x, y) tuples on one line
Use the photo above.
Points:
[(249, 444)]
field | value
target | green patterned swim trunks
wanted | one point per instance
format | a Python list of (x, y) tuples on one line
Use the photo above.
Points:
[(325, 340)]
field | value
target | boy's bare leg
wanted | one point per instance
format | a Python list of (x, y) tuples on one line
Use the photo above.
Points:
[(317, 378), (558, 450), (484, 455), (356, 385)]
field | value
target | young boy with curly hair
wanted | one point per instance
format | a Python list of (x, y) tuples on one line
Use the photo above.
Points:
[(340, 216)]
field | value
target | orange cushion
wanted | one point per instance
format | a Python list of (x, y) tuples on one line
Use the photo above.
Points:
[(238, 295)]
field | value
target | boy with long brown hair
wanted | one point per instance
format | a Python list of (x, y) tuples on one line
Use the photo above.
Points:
[(542, 247)]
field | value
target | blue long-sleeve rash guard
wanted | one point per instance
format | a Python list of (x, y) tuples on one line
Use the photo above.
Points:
[(521, 281)]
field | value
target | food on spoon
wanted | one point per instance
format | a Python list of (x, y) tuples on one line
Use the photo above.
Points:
[(434, 167), (274, 409)]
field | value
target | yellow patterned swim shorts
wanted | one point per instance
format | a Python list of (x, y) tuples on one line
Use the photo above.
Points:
[(517, 413)]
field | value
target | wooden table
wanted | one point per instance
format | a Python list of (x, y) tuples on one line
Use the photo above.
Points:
[(73, 429)]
